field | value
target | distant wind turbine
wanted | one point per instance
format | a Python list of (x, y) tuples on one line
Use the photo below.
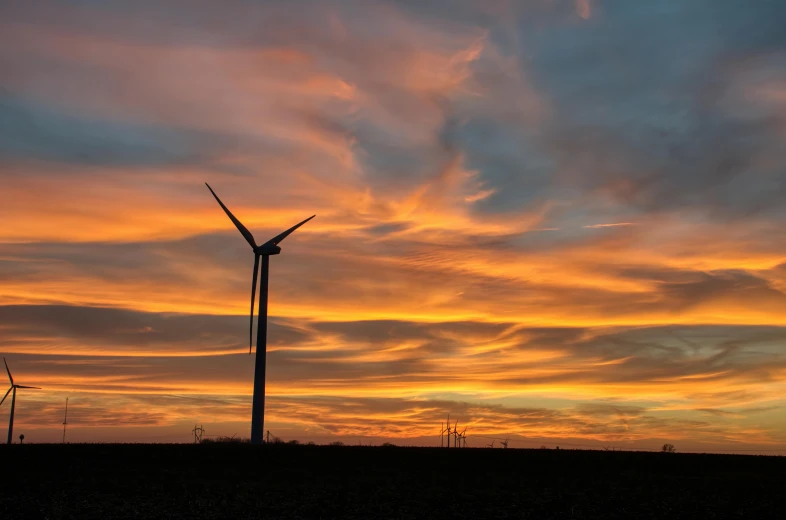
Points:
[(270, 247), (463, 438), (13, 400), (445, 429), (65, 420)]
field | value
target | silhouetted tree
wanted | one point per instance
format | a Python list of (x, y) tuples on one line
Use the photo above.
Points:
[(294, 442), (336, 443), (388, 445), (668, 448), (224, 439)]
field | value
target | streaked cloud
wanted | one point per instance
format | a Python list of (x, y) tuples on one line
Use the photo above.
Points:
[(613, 224), (553, 219)]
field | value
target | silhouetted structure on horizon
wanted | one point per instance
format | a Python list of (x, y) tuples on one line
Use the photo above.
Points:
[(13, 401), (198, 433), (462, 438), (65, 420), (267, 249), (446, 431)]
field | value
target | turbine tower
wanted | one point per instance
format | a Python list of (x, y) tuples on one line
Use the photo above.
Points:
[(270, 247), (13, 400), (442, 434), (65, 420)]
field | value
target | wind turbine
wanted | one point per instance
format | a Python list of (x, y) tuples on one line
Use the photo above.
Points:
[(448, 431), (270, 247), (13, 400), (463, 438), (65, 420), (442, 434)]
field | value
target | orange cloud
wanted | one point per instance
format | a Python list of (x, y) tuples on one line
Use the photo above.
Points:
[(426, 285)]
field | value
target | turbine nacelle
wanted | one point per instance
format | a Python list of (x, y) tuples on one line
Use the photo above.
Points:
[(267, 249)]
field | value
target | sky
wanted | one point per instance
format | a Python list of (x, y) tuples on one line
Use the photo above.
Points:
[(558, 221)]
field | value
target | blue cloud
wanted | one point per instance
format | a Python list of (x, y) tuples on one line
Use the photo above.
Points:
[(37, 130)]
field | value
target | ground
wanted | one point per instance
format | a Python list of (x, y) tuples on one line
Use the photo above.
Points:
[(236, 481)]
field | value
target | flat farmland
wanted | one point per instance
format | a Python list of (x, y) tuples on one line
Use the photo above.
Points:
[(280, 481)]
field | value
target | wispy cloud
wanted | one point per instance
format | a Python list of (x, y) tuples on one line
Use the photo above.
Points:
[(615, 224), (453, 152)]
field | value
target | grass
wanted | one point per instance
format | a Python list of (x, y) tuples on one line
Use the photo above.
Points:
[(234, 480)]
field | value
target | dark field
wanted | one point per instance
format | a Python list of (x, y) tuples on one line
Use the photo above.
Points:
[(241, 481)]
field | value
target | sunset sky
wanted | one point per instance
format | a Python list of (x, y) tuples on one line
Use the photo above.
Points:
[(560, 221)]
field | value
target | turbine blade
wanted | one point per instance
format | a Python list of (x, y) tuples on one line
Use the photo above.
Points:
[(6, 395), (253, 295), (240, 227), (9, 372), (33, 387), (279, 238)]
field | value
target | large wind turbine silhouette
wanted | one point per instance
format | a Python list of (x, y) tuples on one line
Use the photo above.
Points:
[(270, 247), (13, 400)]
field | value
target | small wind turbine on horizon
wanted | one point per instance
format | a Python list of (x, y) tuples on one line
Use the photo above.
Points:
[(265, 250), (198, 433), (463, 438), (13, 400), (65, 420), (443, 430)]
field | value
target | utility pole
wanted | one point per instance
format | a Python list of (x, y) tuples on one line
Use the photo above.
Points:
[(198, 433), (267, 439), (65, 420)]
